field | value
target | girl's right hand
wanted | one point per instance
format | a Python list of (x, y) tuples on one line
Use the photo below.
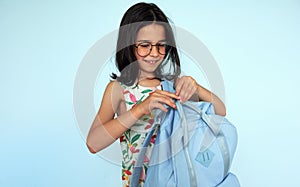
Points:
[(157, 99)]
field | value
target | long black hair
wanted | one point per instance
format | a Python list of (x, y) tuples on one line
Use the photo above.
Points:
[(136, 17)]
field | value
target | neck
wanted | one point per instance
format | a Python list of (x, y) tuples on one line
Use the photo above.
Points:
[(144, 76), (149, 82)]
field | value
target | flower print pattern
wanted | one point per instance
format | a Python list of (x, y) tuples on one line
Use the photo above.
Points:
[(131, 141), (132, 97)]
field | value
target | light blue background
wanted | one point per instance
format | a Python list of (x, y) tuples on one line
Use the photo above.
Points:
[(255, 43)]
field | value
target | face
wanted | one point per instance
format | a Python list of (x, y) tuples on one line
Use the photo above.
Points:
[(151, 34)]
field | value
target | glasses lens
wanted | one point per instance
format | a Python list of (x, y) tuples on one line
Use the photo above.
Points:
[(161, 48), (143, 49)]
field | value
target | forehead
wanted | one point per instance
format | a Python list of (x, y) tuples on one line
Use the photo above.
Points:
[(153, 32)]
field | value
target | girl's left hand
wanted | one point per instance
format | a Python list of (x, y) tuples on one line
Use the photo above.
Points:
[(186, 87)]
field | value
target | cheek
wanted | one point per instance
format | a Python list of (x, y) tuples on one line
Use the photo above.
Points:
[(138, 58)]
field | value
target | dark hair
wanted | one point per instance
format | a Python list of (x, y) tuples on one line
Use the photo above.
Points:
[(136, 17)]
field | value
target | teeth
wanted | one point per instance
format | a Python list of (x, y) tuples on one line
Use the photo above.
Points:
[(151, 61)]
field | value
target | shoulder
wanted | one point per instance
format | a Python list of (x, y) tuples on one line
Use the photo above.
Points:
[(112, 97), (114, 84), (114, 88), (113, 93)]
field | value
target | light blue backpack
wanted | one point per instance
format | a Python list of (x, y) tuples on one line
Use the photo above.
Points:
[(194, 147)]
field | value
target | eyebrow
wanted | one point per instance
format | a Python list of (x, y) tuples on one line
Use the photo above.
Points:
[(164, 40)]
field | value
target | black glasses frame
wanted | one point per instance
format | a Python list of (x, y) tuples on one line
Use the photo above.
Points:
[(151, 47)]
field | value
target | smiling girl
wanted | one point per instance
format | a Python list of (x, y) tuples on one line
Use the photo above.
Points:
[(146, 55)]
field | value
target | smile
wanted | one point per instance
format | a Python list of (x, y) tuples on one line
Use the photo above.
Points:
[(151, 61)]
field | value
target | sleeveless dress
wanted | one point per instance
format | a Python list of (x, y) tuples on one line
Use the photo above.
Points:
[(131, 140)]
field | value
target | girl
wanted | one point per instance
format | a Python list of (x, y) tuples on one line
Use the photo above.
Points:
[(145, 47)]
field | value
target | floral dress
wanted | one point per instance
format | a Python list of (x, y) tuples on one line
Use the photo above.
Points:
[(131, 141)]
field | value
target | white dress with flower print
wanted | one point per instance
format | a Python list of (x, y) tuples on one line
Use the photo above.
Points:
[(131, 141)]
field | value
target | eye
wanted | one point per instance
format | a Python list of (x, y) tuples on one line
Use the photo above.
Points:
[(145, 45), (161, 45)]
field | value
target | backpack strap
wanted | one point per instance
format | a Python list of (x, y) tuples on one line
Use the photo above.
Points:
[(214, 132), (192, 174), (211, 134), (159, 116), (135, 177)]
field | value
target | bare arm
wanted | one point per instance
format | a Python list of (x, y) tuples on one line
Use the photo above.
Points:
[(188, 89), (106, 129), (206, 95)]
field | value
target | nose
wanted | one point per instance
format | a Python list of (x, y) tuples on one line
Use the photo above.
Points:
[(154, 51)]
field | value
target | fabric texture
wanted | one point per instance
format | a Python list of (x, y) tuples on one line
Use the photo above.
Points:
[(193, 147), (131, 141)]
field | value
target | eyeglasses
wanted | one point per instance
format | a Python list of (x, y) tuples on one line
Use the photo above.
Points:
[(145, 48)]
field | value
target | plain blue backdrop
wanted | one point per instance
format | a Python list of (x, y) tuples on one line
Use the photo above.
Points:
[(255, 43)]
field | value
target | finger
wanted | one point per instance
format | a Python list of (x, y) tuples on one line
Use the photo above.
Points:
[(188, 92), (160, 103), (179, 87), (184, 92), (161, 107), (169, 94), (167, 100), (159, 97)]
